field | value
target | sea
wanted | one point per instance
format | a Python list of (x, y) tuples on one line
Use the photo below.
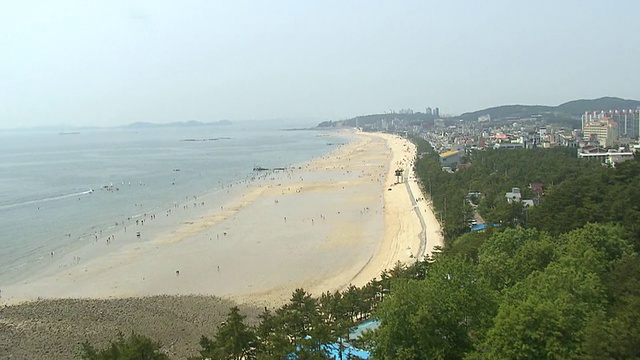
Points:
[(58, 190)]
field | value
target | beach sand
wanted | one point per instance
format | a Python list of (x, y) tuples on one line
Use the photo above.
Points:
[(340, 219)]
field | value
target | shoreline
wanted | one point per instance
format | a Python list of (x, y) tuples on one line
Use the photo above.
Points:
[(322, 225), (59, 213)]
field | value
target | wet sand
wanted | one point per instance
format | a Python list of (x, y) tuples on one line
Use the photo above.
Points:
[(55, 329)]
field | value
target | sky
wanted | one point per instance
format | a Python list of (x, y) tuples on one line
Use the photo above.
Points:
[(107, 63)]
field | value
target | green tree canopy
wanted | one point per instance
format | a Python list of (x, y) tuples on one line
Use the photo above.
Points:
[(234, 340), (439, 317), (546, 315), (134, 347), (509, 256)]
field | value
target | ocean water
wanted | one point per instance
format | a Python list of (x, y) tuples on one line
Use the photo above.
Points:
[(59, 190)]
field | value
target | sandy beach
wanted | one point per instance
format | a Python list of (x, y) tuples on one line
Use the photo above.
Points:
[(340, 219)]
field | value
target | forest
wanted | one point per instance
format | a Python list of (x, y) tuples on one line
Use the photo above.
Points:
[(557, 280)]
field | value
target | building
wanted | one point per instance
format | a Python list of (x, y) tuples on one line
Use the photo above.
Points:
[(628, 121), (610, 157), (451, 158), (484, 118), (508, 145), (537, 188), (604, 131), (514, 195), (566, 140)]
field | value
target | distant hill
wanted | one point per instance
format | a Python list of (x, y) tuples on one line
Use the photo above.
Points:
[(507, 111), (578, 107), (190, 123), (567, 114), (569, 109)]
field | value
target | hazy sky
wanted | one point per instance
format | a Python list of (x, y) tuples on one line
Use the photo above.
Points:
[(115, 62)]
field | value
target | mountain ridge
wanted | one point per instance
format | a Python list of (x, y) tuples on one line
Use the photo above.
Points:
[(571, 108)]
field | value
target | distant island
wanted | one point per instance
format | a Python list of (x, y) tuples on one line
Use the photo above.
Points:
[(209, 139), (190, 123)]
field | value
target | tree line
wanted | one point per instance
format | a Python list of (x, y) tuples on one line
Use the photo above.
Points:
[(526, 294), (300, 329), (576, 191), (560, 280)]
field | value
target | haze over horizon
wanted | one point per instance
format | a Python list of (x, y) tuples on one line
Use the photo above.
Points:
[(113, 63)]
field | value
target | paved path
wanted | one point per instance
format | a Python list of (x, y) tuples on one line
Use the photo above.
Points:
[(423, 234)]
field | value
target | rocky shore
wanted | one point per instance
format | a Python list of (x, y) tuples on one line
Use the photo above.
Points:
[(55, 329)]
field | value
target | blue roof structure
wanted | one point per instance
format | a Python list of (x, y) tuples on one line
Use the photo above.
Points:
[(480, 227), (366, 325), (348, 352), (333, 350)]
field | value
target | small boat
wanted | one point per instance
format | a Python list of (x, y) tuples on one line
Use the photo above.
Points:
[(259, 168)]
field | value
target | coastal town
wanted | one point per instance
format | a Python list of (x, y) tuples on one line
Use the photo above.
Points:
[(608, 136)]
